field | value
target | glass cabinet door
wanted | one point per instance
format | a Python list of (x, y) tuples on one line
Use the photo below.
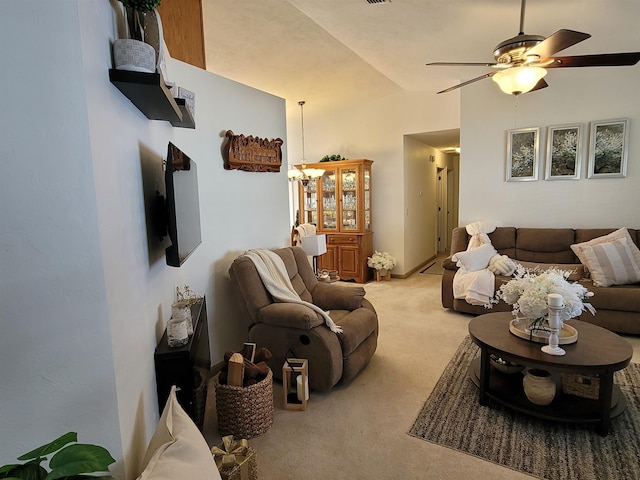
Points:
[(329, 207), (349, 199), (367, 199)]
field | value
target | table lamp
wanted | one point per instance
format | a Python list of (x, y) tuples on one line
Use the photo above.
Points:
[(315, 245)]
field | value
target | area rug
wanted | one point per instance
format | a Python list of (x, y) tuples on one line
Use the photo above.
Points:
[(453, 418)]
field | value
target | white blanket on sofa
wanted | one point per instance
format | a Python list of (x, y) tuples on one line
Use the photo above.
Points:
[(273, 274), (473, 281)]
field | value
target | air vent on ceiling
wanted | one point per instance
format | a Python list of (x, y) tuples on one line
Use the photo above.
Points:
[(378, 1)]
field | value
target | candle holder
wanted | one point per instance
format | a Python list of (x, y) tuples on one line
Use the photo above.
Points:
[(295, 383), (555, 304)]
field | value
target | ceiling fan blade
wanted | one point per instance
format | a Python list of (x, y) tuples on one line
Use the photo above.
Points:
[(473, 80), (598, 60), (540, 85), (558, 41), (461, 64)]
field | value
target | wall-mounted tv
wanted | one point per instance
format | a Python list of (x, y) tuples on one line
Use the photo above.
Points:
[(182, 206)]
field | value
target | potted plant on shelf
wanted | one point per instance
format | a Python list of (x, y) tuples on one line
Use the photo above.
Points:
[(137, 52), (383, 263), (70, 460), (332, 158)]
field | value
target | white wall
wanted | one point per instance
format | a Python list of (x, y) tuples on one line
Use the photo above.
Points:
[(576, 95), (56, 362), (421, 203), (376, 131), (85, 293)]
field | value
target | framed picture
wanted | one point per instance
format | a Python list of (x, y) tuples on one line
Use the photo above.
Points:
[(608, 148), (564, 152), (523, 154)]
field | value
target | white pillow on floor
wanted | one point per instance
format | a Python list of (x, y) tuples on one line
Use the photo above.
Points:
[(177, 449)]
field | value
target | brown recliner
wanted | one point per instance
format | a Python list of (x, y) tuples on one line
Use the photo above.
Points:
[(281, 327)]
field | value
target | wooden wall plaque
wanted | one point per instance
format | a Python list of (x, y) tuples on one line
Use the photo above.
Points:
[(252, 154)]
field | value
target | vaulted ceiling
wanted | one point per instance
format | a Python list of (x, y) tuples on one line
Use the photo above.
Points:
[(338, 52)]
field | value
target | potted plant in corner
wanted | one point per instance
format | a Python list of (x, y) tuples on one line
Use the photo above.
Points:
[(70, 461), (382, 263), (136, 53)]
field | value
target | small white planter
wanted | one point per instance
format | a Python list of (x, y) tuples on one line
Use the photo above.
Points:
[(134, 55)]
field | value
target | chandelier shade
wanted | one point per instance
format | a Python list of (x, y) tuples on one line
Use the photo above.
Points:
[(517, 80)]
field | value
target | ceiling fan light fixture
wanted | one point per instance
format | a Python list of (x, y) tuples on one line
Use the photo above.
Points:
[(517, 80)]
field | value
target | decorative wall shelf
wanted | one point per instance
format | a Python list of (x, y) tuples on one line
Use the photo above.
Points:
[(150, 94)]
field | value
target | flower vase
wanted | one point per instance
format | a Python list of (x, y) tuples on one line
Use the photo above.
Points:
[(382, 275), (537, 326)]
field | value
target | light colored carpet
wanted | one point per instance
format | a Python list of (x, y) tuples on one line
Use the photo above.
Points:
[(434, 267), (359, 431), (549, 450)]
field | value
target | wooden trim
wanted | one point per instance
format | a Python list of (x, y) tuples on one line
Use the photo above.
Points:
[(183, 31)]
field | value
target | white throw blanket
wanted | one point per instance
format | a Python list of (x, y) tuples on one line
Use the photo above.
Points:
[(475, 287), (478, 232), (303, 230), (273, 273)]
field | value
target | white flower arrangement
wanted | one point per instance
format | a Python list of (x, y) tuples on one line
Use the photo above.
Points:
[(381, 261), (529, 289)]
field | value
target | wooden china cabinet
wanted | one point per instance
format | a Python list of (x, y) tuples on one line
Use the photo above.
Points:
[(339, 204)]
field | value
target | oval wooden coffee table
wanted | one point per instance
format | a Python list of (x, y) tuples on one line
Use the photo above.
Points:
[(597, 352)]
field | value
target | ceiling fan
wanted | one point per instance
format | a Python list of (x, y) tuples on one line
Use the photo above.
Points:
[(521, 61)]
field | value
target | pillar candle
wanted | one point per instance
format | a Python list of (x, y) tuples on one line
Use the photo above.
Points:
[(555, 300), (302, 389)]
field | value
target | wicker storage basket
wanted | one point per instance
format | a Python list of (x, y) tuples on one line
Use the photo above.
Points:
[(200, 382), (245, 412), (586, 386)]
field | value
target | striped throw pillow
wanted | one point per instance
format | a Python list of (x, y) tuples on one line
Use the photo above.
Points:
[(612, 263)]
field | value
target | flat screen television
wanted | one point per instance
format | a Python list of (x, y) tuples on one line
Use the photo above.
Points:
[(181, 206)]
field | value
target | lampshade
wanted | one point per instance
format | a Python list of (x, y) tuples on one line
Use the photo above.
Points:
[(517, 80), (314, 245)]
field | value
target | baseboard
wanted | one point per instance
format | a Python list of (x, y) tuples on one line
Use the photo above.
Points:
[(415, 269)]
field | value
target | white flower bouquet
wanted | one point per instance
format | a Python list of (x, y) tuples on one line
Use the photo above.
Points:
[(381, 261), (529, 289)]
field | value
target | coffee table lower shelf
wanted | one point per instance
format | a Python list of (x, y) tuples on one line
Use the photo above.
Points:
[(507, 390)]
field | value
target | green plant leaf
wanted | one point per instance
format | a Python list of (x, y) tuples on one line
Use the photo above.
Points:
[(77, 459), (28, 471), (7, 468), (51, 447)]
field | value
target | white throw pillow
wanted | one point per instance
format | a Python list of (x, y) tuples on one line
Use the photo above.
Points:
[(612, 263), (580, 248), (177, 449), (476, 258)]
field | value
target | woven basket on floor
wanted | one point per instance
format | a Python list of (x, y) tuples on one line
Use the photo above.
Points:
[(245, 412)]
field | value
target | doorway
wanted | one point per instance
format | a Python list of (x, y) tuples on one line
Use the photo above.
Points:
[(442, 220)]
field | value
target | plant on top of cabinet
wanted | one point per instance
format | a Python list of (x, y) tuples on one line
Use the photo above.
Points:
[(332, 158), (135, 10)]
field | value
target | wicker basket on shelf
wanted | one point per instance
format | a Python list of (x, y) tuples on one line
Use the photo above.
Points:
[(585, 386), (244, 412)]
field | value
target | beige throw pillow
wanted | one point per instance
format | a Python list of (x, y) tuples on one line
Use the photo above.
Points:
[(611, 263), (177, 449)]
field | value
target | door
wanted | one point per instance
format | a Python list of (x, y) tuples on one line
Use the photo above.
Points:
[(441, 227)]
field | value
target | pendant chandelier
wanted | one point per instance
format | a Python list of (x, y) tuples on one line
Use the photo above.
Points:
[(301, 173)]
